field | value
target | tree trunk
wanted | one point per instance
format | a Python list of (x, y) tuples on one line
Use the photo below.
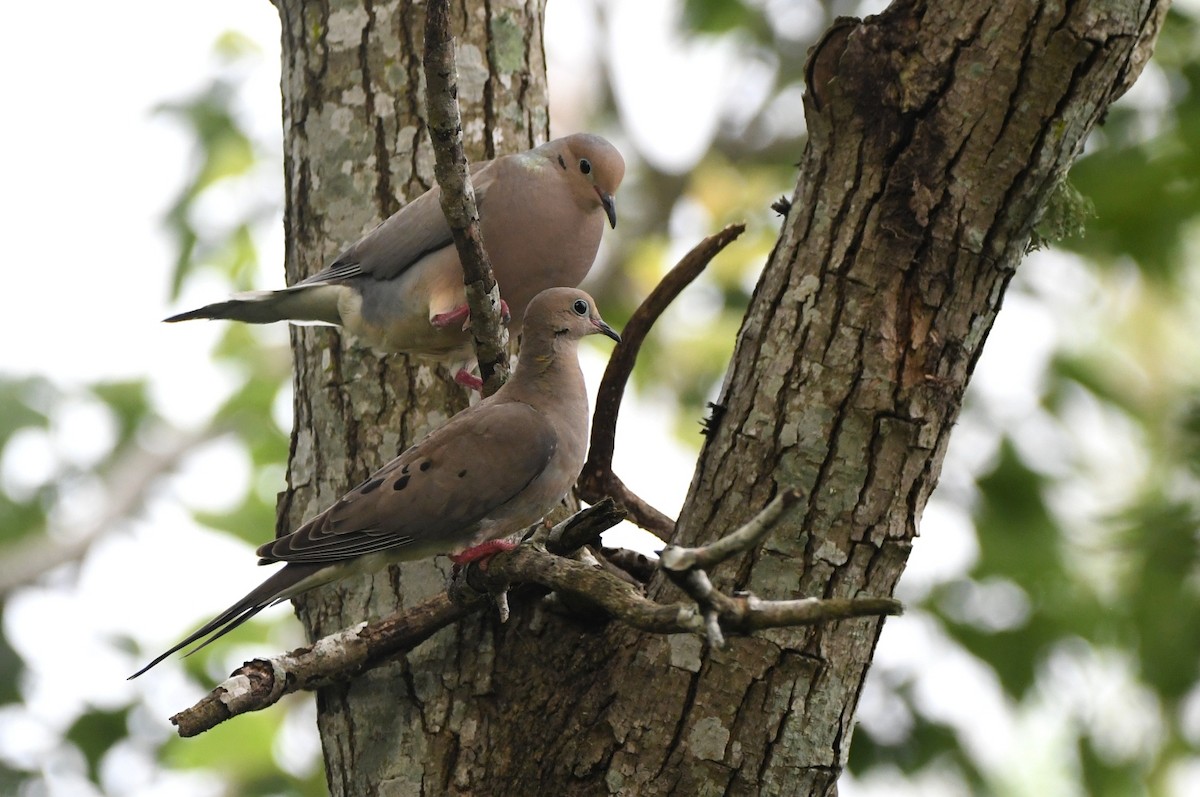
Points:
[(355, 147), (936, 134)]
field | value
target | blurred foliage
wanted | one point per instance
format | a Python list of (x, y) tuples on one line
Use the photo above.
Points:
[(225, 159), (224, 151), (1080, 598)]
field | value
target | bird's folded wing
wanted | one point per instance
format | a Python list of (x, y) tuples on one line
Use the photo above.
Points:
[(403, 238), (435, 494)]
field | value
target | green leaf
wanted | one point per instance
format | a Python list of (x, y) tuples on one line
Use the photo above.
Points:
[(26, 402), (1160, 538), (95, 732), (130, 403), (719, 16)]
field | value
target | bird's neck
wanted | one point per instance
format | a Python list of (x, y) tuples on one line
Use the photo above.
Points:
[(550, 369), (551, 359)]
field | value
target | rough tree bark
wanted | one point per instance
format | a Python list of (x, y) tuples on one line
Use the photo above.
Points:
[(937, 131), (355, 148)]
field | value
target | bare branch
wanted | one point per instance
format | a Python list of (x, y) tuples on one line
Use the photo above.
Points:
[(757, 614), (598, 479), (626, 603), (458, 197), (630, 564), (541, 560), (584, 527), (260, 683), (676, 559)]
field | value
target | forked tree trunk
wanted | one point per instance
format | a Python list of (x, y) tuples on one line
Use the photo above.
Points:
[(940, 130)]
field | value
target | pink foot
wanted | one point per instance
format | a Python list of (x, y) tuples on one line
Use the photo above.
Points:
[(459, 315), (468, 379), (462, 314), (484, 550)]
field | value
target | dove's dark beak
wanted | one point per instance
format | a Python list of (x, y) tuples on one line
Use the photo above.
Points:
[(605, 329), (610, 207)]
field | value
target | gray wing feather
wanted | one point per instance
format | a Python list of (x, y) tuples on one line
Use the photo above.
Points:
[(402, 239)]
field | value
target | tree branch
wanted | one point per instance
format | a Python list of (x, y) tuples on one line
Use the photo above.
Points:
[(597, 479), (488, 334), (679, 560), (541, 560)]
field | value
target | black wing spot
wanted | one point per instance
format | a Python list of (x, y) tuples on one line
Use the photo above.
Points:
[(404, 469), (401, 483), (562, 162), (426, 465), (370, 485), (462, 473)]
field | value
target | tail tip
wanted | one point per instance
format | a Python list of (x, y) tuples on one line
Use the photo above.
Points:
[(191, 315)]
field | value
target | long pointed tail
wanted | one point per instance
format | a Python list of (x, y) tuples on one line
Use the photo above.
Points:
[(304, 303), (279, 586)]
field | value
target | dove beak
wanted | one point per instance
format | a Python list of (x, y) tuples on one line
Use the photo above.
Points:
[(605, 329), (609, 202)]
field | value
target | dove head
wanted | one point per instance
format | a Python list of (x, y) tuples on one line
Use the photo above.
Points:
[(561, 315), (596, 169)]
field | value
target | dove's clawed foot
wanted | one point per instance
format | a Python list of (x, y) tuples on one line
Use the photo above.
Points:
[(462, 315), (484, 550)]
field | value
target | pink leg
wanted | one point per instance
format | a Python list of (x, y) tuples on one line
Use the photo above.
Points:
[(484, 550), (462, 314), (468, 379), (458, 315)]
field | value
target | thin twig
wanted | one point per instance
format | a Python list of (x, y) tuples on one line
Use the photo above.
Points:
[(598, 479), (688, 568), (488, 334), (676, 559)]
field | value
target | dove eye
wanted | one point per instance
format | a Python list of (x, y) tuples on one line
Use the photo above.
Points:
[(585, 166), (580, 307)]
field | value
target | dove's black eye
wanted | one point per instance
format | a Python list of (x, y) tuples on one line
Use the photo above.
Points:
[(585, 166), (580, 307)]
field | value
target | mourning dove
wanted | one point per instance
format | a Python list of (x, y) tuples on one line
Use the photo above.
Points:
[(492, 470), (400, 287)]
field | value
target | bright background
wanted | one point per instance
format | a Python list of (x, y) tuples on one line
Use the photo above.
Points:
[(1051, 644)]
